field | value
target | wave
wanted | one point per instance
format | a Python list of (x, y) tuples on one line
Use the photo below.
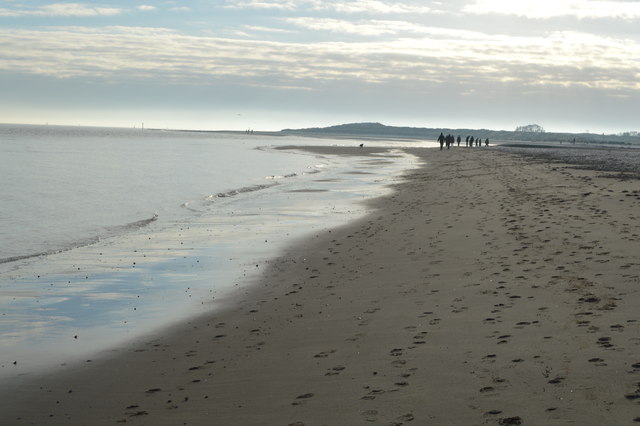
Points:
[(110, 232), (81, 243), (290, 175), (120, 229), (243, 190), (251, 188), (187, 205), (210, 199), (199, 207)]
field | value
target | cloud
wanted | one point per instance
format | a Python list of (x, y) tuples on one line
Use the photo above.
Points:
[(341, 6), (264, 4), (8, 12), (62, 9), (543, 9), (362, 28), (373, 7), (256, 28), (146, 7), (421, 57)]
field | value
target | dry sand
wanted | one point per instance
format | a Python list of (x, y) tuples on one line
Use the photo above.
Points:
[(488, 289)]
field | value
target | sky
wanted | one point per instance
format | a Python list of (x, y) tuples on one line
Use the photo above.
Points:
[(567, 65)]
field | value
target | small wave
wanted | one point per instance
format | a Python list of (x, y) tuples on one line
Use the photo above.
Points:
[(187, 205), (290, 175), (111, 231), (26, 256), (133, 225), (81, 243), (242, 190)]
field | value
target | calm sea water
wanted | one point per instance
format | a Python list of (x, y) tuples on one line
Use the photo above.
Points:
[(107, 234), (68, 186)]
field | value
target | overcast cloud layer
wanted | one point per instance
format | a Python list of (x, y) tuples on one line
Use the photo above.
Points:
[(567, 65)]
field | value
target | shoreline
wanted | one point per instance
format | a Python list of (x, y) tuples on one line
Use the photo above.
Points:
[(488, 288), (79, 303)]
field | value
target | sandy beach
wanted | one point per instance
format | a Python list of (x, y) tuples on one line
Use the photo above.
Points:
[(489, 288)]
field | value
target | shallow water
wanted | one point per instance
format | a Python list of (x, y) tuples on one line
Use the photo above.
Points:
[(214, 232), (68, 186)]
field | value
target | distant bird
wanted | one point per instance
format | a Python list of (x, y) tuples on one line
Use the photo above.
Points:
[(361, 145)]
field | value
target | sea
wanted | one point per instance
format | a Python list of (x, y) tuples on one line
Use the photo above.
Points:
[(109, 234)]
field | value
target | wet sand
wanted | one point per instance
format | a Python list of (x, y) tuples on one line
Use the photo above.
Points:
[(489, 289)]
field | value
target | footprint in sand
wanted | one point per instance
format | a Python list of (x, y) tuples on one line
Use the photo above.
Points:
[(598, 362), (396, 352), (324, 354), (398, 363), (503, 339), (635, 396), (556, 380), (335, 370), (355, 337), (404, 418), (138, 413), (304, 396), (370, 415), (372, 394), (510, 421), (605, 342), (301, 399)]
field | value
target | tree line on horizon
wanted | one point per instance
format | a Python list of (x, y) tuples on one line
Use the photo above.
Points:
[(528, 133)]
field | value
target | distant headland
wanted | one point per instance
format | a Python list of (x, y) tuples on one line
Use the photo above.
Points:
[(525, 134)]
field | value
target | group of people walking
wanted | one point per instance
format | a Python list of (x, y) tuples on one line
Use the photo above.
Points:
[(450, 140)]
